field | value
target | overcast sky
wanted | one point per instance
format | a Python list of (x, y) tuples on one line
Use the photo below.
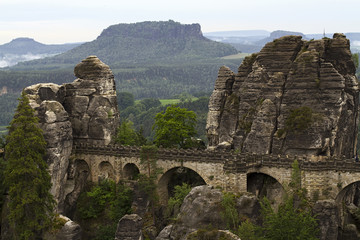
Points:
[(63, 21)]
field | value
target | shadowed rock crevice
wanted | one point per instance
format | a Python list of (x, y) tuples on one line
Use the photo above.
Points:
[(287, 76)]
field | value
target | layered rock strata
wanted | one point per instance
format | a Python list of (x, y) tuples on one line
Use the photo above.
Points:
[(82, 111), (293, 97)]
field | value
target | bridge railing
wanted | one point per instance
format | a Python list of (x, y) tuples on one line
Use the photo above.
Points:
[(233, 162)]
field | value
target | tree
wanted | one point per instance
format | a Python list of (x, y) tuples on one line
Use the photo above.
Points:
[(30, 203), (293, 220), (126, 135), (147, 182), (125, 99), (175, 127), (175, 202)]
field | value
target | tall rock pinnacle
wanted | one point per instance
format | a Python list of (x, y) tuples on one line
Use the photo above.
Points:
[(293, 97)]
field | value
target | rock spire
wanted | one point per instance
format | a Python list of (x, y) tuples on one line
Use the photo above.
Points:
[(293, 97)]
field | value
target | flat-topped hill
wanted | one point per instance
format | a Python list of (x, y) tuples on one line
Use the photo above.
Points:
[(145, 42)]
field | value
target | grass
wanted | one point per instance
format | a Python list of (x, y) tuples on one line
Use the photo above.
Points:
[(165, 102), (236, 56), (3, 130)]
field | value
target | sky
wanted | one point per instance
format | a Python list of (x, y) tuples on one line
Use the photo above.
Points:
[(68, 21)]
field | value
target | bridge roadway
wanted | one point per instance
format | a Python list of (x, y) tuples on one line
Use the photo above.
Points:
[(326, 177)]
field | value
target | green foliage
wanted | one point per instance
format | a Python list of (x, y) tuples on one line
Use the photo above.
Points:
[(248, 231), (147, 183), (292, 220), (355, 58), (2, 185), (174, 203), (124, 100), (288, 222), (8, 104), (174, 127), (295, 182), (26, 176), (126, 135), (299, 120), (144, 117), (100, 207), (114, 200), (230, 214)]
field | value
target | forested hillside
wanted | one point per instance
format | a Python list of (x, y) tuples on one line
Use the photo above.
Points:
[(148, 59)]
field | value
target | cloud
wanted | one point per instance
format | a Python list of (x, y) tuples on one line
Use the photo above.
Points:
[(9, 60)]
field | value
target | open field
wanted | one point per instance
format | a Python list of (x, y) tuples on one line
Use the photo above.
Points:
[(3, 130), (165, 102), (236, 56)]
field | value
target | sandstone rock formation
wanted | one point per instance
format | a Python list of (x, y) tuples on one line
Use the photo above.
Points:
[(202, 208), (129, 228), (54, 121), (70, 231), (91, 102), (82, 111), (293, 97)]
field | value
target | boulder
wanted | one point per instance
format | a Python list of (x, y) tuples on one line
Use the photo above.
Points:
[(201, 212), (327, 213), (129, 228), (261, 108), (70, 231)]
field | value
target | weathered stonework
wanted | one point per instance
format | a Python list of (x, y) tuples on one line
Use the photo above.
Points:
[(250, 111)]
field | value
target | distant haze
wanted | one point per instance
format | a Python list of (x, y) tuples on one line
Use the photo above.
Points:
[(68, 21)]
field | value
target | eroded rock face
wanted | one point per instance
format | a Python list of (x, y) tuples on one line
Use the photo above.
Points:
[(91, 102), (57, 130), (129, 228), (82, 111), (327, 214), (202, 208), (293, 97)]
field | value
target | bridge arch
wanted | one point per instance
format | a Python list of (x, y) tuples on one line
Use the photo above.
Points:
[(349, 194), (177, 176), (106, 171), (130, 171), (264, 185)]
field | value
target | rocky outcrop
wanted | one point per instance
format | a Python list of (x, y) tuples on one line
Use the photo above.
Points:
[(293, 97), (91, 102), (129, 228), (202, 208), (54, 121), (327, 214), (69, 231), (82, 111)]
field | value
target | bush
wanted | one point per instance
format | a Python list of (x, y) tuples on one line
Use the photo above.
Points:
[(105, 196), (100, 208), (175, 202)]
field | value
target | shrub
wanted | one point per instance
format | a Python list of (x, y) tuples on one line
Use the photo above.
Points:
[(175, 202)]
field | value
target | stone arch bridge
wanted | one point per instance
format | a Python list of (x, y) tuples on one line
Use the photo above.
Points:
[(325, 177)]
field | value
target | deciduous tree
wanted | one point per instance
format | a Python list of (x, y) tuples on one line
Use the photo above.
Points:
[(175, 127)]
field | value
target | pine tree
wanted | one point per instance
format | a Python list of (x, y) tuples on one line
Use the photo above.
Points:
[(26, 177)]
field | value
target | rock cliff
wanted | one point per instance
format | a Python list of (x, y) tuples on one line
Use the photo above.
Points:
[(293, 97), (82, 111)]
